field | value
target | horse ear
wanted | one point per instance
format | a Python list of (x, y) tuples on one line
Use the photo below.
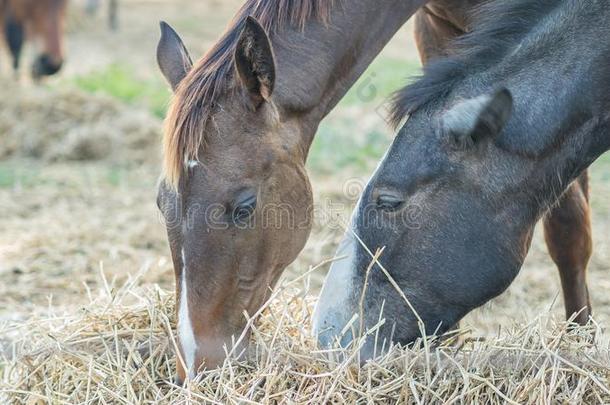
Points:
[(483, 117), (254, 62), (172, 56)]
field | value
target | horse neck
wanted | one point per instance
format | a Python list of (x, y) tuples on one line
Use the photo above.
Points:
[(567, 123), (317, 66), (573, 153), (561, 121)]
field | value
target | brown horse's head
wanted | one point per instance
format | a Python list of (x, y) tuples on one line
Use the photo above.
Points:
[(236, 198), (43, 21)]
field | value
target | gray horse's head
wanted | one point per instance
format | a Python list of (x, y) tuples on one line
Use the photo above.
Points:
[(428, 206)]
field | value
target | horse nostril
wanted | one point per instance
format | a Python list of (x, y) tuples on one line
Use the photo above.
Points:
[(45, 66)]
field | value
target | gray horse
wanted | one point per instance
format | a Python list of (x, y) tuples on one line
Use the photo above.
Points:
[(497, 131)]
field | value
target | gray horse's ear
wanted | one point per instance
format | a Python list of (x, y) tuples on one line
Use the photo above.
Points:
[(482, 117), (172, 56), (254, 62)]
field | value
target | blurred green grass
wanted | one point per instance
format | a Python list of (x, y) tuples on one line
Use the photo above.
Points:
[(600, 185), (383, 77), (602, 166), (342, 141), (123, 83), (12, 175), (339, 147), (30, 173)]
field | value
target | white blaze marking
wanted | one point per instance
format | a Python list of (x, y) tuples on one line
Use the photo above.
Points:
[(338, 286), (185, 328)]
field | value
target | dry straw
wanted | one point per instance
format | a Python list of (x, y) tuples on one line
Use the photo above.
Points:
[(119, 350), (70, 125)]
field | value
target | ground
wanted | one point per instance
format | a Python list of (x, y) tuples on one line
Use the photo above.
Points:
[(67, 218)]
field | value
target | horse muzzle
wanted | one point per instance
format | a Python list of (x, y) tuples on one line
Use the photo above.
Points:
[(44, 65), (207, 354)]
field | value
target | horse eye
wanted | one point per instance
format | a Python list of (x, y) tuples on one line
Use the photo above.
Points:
[(244, 208), (389, 202)]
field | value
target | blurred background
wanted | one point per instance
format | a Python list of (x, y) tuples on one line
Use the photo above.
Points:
[(80, 161)]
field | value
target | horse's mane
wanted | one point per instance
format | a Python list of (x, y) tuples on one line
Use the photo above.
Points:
[(498, 26), (195, 98)]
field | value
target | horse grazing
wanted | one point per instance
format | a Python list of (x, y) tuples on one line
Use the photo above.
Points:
[(497, 131), (235, 195), (41, 20), (567, 223)]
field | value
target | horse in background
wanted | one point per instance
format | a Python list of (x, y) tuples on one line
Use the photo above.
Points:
[(92, 7), (38, 20)]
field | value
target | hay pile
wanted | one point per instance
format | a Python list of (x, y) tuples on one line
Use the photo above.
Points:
[(68, 124), (119, 350)]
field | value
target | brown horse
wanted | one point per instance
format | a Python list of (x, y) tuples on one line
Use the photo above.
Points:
[(235, 194), (40, 20), (567, 224)]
